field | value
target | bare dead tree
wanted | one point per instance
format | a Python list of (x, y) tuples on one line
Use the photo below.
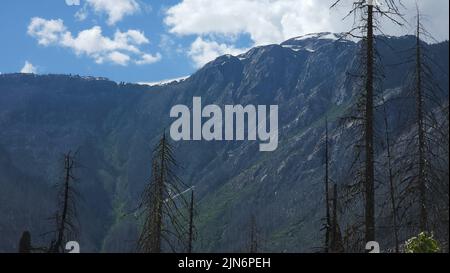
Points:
[(421, 132), (425, 171), (65, 216), (369, 132), (365, 13), (327, 191), (163, 205)]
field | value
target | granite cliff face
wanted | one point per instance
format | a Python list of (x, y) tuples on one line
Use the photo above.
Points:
[(114, 126)]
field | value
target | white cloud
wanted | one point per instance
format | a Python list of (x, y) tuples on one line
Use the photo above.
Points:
[(149, 59), (203, 51), (114, 9), (274, 21), (28, 68), (266, 21), (119, 58), (47, 31), (121, 49), (132, 36), (73, 2)]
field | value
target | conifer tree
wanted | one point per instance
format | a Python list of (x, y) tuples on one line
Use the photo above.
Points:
[(163, 204)]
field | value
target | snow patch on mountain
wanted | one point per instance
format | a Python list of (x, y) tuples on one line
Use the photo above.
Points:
[(320, 36), (164, 82)]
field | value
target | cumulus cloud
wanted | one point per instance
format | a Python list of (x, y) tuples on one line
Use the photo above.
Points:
[(122, 48), (274, 21), (266, 21), (203, 51), (28, 68), (116, 10), (47, 31)]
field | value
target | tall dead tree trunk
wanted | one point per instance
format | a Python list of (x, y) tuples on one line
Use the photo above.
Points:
[(365, 118), (369, 131), (421, 179), (66, 201), (68, 166)]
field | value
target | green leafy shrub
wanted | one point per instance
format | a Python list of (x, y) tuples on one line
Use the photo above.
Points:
[(424, 243)]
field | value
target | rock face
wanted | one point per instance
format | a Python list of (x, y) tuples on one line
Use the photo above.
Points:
[(114, 127)]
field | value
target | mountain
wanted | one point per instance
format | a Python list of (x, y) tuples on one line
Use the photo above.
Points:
[(113, 127)]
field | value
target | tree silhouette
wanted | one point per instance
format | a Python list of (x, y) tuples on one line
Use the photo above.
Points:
[(425, 168), (366, 23), (327, 191), (163, 204), (66, 214)]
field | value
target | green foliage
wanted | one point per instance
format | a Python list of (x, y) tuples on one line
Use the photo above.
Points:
[(424, 243)]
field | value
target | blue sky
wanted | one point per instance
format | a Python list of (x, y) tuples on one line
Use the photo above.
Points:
[(153, 40), (19, 46)]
